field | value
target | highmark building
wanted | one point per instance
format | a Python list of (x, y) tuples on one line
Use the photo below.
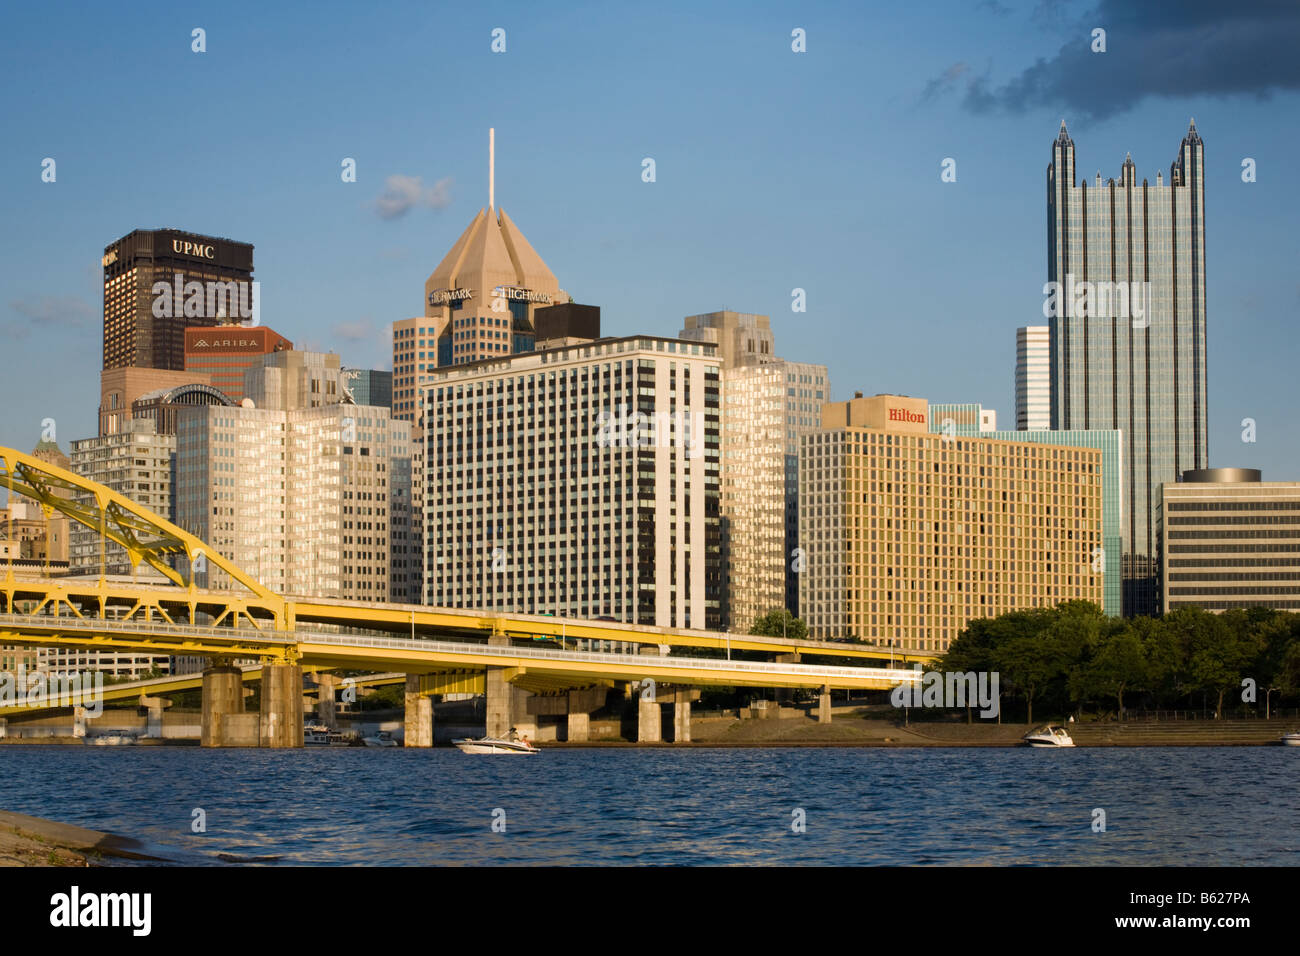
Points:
[(909, 535), (1135, 359), (580, 481), (480, 302), (973, 420)]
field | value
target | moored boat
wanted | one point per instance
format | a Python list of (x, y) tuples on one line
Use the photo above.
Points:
[(381, 738), (495, 745), (1049, 735), (111, 740), (1291, 740)]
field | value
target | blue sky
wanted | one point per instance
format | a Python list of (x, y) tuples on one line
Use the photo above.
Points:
[(775, 170)]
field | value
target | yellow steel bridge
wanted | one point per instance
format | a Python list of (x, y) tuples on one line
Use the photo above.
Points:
[(237, 617)]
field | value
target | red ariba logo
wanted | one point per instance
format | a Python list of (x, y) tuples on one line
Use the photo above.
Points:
[(903, 415)]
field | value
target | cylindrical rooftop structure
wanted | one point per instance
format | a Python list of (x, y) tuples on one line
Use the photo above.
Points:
[(1206, 475)]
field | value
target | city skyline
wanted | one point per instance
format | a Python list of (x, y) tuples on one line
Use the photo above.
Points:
[(807, 198)]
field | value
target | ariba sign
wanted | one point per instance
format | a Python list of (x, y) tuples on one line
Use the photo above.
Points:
[(200, 344), (903, 415)]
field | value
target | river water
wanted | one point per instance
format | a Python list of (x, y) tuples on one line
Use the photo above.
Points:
[(837, 806)]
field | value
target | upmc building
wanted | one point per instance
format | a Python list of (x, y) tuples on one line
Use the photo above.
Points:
[(133, 335)]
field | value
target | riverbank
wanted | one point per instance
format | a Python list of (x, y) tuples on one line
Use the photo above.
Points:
[(34, 841), (850, 731)]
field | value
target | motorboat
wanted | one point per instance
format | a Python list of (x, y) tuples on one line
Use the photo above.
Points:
[(1291, 740), (111, 740), (318, 735), (1049, 735), (494, 745), (381, 738)]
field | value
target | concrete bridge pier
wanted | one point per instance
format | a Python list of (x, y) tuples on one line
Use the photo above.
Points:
[(824, 705), (649, 721), (153, 707), (682, 720), (78, 721), (785, 695), (281, 723), (507, 705), (224, 723), (326, 702), (4, 728), (418, 729), (581, 702)]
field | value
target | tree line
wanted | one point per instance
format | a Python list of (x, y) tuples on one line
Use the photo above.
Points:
[(1072, 657)]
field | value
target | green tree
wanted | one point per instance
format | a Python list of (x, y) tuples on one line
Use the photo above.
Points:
[(1024, 658), (1218, 653), (1119, 665), (779, 622)]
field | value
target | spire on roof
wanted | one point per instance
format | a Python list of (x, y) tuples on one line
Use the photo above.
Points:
[(1063, 136), (1192, 136)]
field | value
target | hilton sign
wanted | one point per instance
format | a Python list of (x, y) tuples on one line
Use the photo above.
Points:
[(903, 415)]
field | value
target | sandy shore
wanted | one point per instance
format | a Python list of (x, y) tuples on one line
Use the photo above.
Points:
[(33, 841)]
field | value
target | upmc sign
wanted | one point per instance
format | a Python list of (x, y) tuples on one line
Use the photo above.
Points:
[(198, 249)]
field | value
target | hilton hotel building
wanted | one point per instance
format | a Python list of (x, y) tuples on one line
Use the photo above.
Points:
[(133, 336), (546, 494), (909, 534)]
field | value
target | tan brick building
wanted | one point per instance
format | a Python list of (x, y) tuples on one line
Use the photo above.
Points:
[(909, 534)]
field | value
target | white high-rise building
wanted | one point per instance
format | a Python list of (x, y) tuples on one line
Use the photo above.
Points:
[(309, 496), (135, 462), (1033, 378), (580, 481), (767, 403)]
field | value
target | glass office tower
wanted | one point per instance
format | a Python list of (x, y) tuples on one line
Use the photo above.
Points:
[(1127, 329)]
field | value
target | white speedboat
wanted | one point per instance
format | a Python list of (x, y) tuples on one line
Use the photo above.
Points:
[(494, 745), (382, 738), (1049, 735), (111, 740), (1291, 740)]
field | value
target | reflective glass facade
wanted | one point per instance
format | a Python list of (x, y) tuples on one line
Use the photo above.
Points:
[(1137, 366)]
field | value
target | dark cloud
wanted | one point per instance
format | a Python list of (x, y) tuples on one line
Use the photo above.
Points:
[(944, 82), (1196, 48)]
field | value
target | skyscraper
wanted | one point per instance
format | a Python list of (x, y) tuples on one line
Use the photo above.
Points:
[(910, 535), (1033, 377), (767, 402), (143, 331), (580, 481), (308, 492), (1127, 328)]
